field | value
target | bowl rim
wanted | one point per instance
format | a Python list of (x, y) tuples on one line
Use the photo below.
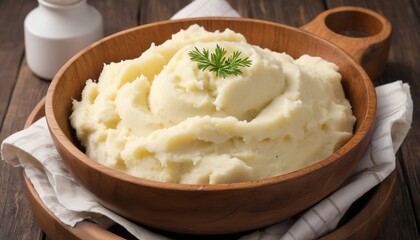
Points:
[(363, 130)]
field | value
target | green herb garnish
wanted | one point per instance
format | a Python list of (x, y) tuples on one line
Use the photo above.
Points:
[(217, 62)]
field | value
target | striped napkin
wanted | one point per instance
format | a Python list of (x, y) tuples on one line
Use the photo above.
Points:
[(71, 203)]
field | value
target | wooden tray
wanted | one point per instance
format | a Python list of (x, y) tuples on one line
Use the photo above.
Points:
[(364, 219)]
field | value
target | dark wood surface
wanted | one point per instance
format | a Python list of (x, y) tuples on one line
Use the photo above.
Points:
[(20, 90)]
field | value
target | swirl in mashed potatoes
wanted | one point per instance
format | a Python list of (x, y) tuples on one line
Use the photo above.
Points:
[(159, 117)]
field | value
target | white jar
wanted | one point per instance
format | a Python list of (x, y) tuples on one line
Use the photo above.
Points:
[(56, 30)]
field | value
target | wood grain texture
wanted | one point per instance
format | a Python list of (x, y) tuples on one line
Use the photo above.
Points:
[(27, 89), (401, 223), (159, 10), (15, 220), (403, 64), (292, 13), (13, 202), (12, 14), (117, 15)]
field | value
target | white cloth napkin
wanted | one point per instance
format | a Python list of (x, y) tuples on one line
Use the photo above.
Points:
[(206, 8), (71, 203)]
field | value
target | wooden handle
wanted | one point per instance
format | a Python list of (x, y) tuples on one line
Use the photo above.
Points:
[(361, 32)]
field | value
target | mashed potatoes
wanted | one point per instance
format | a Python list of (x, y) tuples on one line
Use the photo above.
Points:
[(159, 117)]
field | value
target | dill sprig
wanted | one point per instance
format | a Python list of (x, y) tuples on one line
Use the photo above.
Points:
[(217, 61)]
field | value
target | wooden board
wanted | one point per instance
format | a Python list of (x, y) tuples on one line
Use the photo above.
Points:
[(20, 90)]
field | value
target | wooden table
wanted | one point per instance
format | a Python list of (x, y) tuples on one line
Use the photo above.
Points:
[(20, 90)]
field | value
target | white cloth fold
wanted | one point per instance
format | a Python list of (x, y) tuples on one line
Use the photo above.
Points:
[(206, 8), (71, 203)]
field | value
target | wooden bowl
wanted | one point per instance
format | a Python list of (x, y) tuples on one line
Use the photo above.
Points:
[(363, 220), (219, 208)]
